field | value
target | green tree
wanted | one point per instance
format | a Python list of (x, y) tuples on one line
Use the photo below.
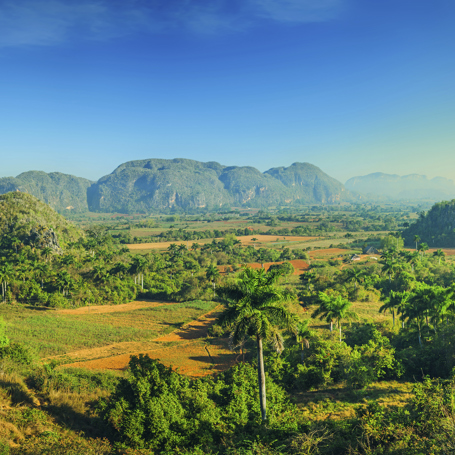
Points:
[(416, 240), (334, 308), (303, 336), (254, 308), (440, 255), (354, 275)]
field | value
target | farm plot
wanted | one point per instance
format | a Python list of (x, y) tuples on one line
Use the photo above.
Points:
[(260, 241)]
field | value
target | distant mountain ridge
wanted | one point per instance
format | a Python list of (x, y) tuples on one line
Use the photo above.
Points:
[(60, 191), (392, 186), (162, 184)]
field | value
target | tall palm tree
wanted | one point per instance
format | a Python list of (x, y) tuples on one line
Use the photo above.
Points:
[(303, 336), (212, 273), (423, 247), (254, 308), (325, 309), (416, 240), (389, 267), (393, 302), (439, 254), (354, 275), (341, 309)]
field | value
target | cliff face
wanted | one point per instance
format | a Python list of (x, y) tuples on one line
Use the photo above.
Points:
[(158, 184)]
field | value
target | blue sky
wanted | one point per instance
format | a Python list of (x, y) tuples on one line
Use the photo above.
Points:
[(352, 86)]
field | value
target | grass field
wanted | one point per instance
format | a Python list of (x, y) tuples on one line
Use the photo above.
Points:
[(52, 333)]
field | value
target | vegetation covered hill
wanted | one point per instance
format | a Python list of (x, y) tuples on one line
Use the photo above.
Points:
[(25, 219), (437, 227), (158, 184), (413, 186), (62, 192)]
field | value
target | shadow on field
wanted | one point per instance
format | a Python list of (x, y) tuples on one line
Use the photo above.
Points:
[(39, 308), (350, 395), (17, 392), (66, 416)]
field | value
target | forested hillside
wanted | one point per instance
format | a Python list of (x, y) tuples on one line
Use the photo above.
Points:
[(437, 227), (156, 184), (62, 192)]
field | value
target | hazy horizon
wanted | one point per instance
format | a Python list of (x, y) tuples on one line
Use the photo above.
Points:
[(352, 88)]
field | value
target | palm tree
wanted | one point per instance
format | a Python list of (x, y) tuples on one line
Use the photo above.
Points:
[(341, 310), (423, 247), (389, 267), (303, 336), (334, 308), (416, 240), (354, 275), (212, 273), (439, 254), (394, 301), (325, 311), (254, 308)]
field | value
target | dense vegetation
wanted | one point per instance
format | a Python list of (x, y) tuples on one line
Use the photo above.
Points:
[(382, 384), (436, 227)]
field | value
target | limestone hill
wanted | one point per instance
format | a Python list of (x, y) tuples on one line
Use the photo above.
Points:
[(26, 219)]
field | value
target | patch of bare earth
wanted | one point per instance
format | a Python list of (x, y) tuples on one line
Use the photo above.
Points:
[(189, 352)]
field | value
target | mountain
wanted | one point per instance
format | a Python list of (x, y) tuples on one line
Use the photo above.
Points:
[(159, 184), (62, 192), (32, 222), (392, 186), (436, 227), (308, 183)]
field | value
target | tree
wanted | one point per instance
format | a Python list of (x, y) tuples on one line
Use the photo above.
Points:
[(354, 275), (439, 254), (334, 308), (341, 310), (303, 336), (394, 302), (212, 273), (423, 247), (254, 308), (416, 240)]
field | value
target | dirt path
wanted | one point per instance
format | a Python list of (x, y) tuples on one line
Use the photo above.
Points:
[(195, 329)]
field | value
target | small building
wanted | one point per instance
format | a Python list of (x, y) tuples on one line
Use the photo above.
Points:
[(355, 257), (370, 250)]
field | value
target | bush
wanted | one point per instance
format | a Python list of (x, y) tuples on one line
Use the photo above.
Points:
[(56, 300), (18, 353), (158, 409)]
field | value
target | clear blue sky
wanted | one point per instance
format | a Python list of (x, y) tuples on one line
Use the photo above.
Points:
[(352, 86)]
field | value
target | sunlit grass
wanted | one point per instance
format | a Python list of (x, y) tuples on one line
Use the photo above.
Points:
[(50, 333)]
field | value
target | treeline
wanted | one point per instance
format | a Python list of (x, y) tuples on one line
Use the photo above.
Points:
[(436, 227)]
